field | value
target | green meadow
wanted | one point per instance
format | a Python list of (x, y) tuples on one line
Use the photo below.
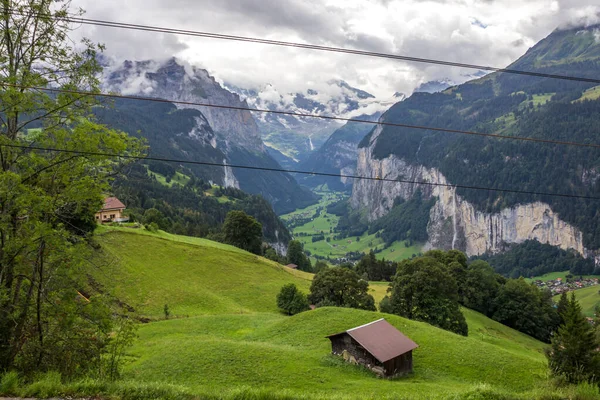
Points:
[(226, 339)]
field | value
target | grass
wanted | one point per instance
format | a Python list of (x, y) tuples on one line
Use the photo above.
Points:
[(588, 298), (199, 277), (177, 179), (273, 351), (590, 94), (220, 353), (338, 248), (555, 275)]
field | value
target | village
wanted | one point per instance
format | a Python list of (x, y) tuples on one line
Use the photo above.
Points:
[(567, 284)]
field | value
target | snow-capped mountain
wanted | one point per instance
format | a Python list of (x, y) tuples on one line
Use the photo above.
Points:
[(297, 136)]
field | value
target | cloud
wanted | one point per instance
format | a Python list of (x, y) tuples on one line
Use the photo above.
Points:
[(486, 32)]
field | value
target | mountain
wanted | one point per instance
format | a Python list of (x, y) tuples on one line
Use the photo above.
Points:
[(443, 84), (337, 156), (479, 221), (200, 133), (296, 137)]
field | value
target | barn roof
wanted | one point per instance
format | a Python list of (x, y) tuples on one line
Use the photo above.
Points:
[(112, 203), (381, 339)]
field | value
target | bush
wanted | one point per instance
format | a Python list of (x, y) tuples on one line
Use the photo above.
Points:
[(47, 385), (152, 227), (9, 384), (291, 301)]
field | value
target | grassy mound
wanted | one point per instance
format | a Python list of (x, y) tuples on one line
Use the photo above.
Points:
[(198, 277), (274, 352)]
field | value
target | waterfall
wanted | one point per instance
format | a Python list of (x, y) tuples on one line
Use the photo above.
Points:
[(310, 143), (454, 235)]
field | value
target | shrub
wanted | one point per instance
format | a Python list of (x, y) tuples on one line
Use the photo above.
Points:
[(9, 384)]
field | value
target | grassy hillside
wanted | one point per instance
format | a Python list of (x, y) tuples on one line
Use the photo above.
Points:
[(588, 298), (148, 271), (275, 352), (235, 340)]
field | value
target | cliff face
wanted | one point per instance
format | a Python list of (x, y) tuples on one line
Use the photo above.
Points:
[(454, 223)]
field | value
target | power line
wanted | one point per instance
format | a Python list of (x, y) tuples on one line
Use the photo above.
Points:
[(305, 115), (357, 177), (247, 39)]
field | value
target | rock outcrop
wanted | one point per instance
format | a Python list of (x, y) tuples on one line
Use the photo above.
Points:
[(454, 223)]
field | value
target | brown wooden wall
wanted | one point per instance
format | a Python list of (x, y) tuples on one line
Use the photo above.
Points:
[(400, 365)]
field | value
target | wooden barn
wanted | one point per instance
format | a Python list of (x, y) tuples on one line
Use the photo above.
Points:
[(377, 345)]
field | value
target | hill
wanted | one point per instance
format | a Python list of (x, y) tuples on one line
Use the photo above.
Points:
[(235, 340), (193, 276), (588, 298)]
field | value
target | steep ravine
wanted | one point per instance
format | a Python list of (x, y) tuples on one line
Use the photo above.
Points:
[(453, 221)]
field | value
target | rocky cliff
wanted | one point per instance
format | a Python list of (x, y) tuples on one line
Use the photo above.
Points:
[(454, 223)]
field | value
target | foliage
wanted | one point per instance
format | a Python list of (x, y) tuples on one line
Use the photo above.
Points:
[(574, 352), (524, 307), (407, 220), (481, 286), (375, 270), (295, 255), (243, 231), (340, 287), (122, 337), (506, 104), (532, 258), (425, 290), (385, 305), (290, 300), (191, 209), (49, 199)]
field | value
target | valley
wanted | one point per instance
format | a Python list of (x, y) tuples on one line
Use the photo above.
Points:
[(314, 222)]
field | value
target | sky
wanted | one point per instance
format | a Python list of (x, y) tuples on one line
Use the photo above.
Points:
[(486, 32)]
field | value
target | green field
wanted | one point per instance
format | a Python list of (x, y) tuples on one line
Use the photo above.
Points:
[(338, 248), (588, 298), (198, 277), (555, 275), (590, 94), (235, 341)]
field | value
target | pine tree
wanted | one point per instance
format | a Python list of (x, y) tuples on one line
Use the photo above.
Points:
[(563, 304), (574, 352)]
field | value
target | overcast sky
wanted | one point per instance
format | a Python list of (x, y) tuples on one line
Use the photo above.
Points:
[(489, 32)]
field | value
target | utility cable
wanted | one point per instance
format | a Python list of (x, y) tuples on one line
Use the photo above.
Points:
[(305, 115), (254, 168), (248, 39)]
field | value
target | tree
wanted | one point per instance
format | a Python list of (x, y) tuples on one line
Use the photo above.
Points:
[(291, 301), (480, 287), (340, 287), (524, 307), (319, 266), (424, 290), (243, 231), (49, 198), (574, 351), (295, 255), (563, 304)]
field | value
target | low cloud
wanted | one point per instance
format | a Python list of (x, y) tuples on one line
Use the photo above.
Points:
[(493, 33)]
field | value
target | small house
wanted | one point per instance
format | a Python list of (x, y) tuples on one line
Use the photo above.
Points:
[(378, 346), (112, 211), (292, 266)]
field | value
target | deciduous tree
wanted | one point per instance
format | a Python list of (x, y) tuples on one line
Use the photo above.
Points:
[(47, 198), (243, 231), (291, 301), (340, 287)]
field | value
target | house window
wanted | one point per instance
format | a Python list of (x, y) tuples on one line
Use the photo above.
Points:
[(97, 217), (112, 216)]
